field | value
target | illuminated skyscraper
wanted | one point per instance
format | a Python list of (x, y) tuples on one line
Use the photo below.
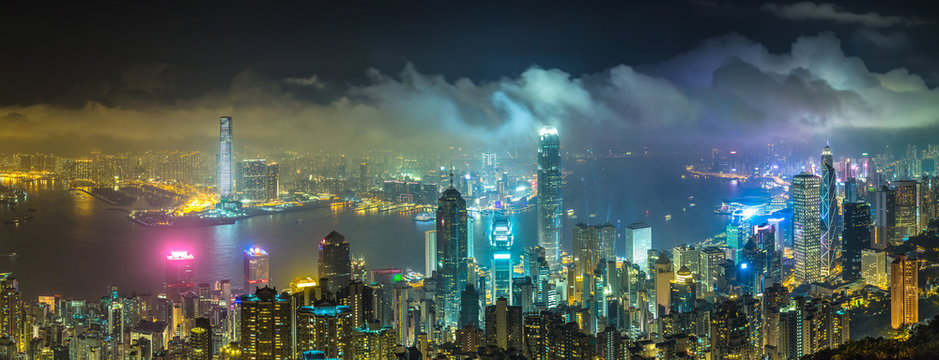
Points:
[(452, 250), (638, 243), (806, 227), (856, 236), (253, 181), (549, 195), (272, 181), (828, 207), (907, 208), (430, 252), (266, 325), (504, 325), (904, 292), (224, 175), (663, 277), (500, 242), (334, 263), (325, 327), (257, 273), (178, 273)]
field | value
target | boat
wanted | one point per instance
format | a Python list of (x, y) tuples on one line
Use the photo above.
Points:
[(424, 216), (14, 221), (300, 220)]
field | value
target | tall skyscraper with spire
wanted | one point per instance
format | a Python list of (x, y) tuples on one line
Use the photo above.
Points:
[(224, 175), (806, 227), (549, 195), (829, 213), (452, 250)]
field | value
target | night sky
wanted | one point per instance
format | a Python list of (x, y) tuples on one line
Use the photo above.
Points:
[(123, 76)]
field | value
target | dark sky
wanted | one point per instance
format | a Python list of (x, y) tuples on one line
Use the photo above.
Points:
[(97, 73)]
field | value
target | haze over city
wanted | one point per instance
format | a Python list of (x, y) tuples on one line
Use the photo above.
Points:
[(416, 180)]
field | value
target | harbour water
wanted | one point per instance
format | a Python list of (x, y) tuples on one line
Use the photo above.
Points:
[(76, 245)]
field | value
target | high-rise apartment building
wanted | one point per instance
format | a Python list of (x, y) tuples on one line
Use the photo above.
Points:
[(904, 292)]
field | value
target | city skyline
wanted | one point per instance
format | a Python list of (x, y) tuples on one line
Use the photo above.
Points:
[(684, 180)]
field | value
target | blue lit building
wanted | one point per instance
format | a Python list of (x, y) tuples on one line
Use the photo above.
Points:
[(500, 245), (452, 252)]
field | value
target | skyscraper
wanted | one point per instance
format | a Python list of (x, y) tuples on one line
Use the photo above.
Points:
[(500, 242), (638, 243), (325, 327), (504, 325), (549, 195), (828, 207), (904, 292), (806, 227), (430, 252), (907, 208), (593, 245), (224, 175), (253, 180), (178, 273), (272, 182), (257, 269), (334, 263), (452, 250), (266, 325), (855, 237)]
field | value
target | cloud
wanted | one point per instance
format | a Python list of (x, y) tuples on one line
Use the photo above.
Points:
[(147, 77), (728, 89), (312, 81), (808, 10)]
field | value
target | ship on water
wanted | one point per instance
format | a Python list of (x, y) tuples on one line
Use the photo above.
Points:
[(424, 216)]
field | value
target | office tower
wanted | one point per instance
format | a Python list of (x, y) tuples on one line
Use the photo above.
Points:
[(200, 340), (325, 327), (663, 275), (593, 245), (373, 344), (272, 182), (682, 291), (828, 208), (400, 312), (504, 325), (500, 244), (523, 293), (224, 174), (687, 256), (851, 191), (363, 177), (904, 292), (907, 208), (638, 243), (874, 268), (751, 268), (178, 273), (360, 300), (253, 180), (334, 263), (257, 273), (711, 264), (765, 235), (806, 227), (549, 195), (266, 325), (430, 253), (856, 236), (537, 268), (469, 307), (452, 251)]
